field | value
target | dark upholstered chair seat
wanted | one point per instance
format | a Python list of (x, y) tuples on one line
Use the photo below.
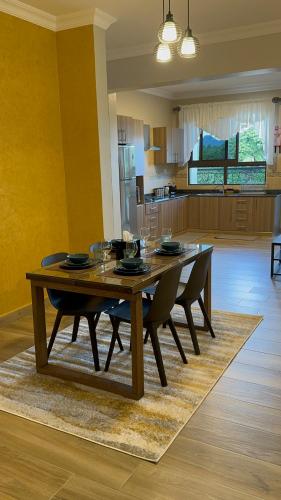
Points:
[(75, 303), (123, 310)]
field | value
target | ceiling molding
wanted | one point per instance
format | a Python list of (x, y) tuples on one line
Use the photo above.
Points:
[(39, 17), (75, 19), (96, 17), (227, 35), (103, 20), (193, 94), (28, 13)]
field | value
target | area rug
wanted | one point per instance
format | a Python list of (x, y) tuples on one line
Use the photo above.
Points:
[(144, 428)]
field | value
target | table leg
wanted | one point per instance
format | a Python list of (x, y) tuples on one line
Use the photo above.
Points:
[(137, 346), (208, 294), (39, 322)]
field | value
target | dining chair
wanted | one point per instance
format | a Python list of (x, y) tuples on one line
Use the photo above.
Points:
[(190, 292), (77, 305), (155, 313)]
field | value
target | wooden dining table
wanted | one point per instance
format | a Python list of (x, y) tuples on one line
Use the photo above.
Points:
[(102, 282)]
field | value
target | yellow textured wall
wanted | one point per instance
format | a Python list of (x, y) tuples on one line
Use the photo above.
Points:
[(33, 218), (80, 136)]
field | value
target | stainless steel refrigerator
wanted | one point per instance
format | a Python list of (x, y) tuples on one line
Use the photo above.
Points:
[(128, 197)]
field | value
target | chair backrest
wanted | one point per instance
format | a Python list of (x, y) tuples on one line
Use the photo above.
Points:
[(53, 259), (165, 296), (197, 278), (55, 296)]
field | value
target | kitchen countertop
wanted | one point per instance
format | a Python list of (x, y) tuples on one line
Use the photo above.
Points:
[(214, 193)]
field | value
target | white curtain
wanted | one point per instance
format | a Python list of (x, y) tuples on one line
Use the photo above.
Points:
[(224, 119)]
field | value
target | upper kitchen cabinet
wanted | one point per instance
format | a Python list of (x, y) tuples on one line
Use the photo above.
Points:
[(138, 142), (170, 141), (130, 131), (125, 125)]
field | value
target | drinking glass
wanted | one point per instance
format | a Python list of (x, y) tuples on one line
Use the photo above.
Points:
[(106, 249), (166, 234), (145, 234), (131, 249), (97, 251)]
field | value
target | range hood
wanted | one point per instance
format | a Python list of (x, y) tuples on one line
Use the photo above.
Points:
[(147, 145)]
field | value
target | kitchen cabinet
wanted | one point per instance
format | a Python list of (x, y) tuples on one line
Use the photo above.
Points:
[(209, 213), (170, 141), (242, 214), (152, 219), (138, 142), (126, 129), (222, 213), (179, 215), (235, 214), (262, 214), (130, 131), (140, 217), (226, 214), (193, 212), (166, 216)]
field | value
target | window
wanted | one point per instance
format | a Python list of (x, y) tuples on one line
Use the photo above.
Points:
[(239, 160)]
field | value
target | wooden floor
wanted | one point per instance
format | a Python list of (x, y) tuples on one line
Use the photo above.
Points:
[(230, 449)]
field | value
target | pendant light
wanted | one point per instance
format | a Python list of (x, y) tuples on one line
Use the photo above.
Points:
[(188, 46), (169, 31), (163, 51)]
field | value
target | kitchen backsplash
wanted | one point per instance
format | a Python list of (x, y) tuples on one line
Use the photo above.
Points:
[(156, 176)]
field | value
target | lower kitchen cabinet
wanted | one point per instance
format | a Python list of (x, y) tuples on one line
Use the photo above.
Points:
[(193, 212), (174, 215), (140, 217), (209, 213), (262, 214), (241, 213), (247, 214), (166, 214), (182, 208), (226, 220)]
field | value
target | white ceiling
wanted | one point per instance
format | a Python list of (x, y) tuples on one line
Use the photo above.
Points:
[(138, 20), (234, 84)]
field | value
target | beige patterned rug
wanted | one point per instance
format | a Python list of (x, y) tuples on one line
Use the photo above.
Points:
[(144, 428)]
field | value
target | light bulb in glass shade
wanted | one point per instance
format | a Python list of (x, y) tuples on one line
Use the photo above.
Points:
[(169, 33), (163, 53), (188, 46)]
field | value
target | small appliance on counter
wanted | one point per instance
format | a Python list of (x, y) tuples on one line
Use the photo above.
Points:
[(159, 192), (172, 189)]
